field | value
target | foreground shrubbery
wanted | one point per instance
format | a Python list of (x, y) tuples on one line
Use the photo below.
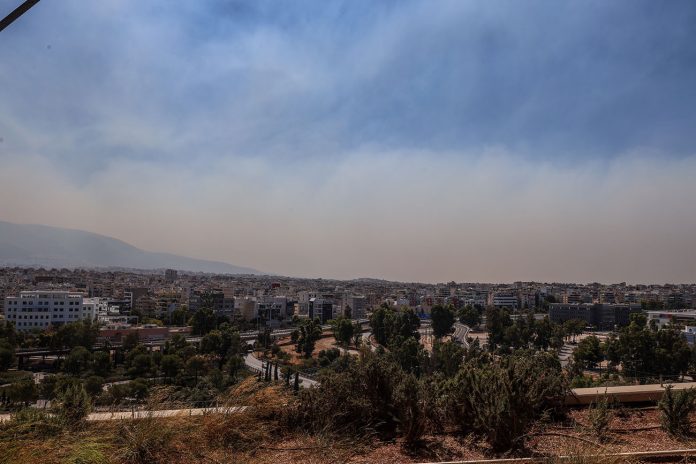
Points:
[(497, 398)]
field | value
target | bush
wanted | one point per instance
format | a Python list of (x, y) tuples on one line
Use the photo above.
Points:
[(411, 415), (600, 416), (675, 407), (500, 400), (74, 405), (358, 400), (31, 421)]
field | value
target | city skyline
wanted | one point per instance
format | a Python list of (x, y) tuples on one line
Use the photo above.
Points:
[(410, 141)]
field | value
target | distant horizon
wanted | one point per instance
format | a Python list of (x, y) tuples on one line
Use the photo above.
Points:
[(421, 141), (275, 275)]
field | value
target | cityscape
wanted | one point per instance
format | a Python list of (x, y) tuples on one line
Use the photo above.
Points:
[(347, 231)]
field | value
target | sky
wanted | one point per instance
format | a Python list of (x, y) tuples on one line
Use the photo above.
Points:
[(416, 140)]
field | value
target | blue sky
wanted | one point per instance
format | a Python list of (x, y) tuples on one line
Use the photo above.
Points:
[(281, 129)]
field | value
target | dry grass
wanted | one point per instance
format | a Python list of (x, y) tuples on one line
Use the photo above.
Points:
[(258, 436)]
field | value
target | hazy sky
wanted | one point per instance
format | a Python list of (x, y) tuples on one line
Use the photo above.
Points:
[(412, 140)]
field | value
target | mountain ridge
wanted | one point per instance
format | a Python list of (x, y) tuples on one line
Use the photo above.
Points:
[(42, 245)]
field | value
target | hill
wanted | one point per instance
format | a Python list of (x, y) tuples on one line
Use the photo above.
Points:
[(39, 245)]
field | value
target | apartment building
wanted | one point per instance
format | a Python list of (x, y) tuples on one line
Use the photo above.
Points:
[(38, 310)]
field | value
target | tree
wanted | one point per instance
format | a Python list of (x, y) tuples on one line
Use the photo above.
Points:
[(388, 324), (195, 366), (574, 327), (93, 385), (141, 365), (24, 391), (447, 357), (178, 317), (497, 323), (130, 341), (409, 404), (310, 332), (101, 363), (442, 320), (74, 405), (170, 365), (7, 355), (675, 409), (409, 354), (342, 330), (357, 334), (78, 361), (588, 353), (470, 316), (203, 321)]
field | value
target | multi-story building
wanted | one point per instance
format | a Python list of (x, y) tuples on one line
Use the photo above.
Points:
[(602, 316), (272, 308), (170, 275), (355, 306), (507, 300), (42, 309), (321, 308)]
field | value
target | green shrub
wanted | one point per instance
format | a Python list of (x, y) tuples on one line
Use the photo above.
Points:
[(675, 408), (600, 416), (32, 421), (74, 405)]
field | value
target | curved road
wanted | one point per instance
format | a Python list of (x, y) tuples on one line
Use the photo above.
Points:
[(461, 331), (256, 364)]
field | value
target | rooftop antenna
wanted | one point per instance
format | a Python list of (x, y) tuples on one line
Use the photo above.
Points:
[(19, 11)]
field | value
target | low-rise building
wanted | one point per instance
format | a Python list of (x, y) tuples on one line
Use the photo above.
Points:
[(677, 317)]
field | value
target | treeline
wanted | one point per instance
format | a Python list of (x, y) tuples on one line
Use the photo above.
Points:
[(639, 351), (196, 373)]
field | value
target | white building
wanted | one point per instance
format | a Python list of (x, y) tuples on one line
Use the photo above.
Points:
[(42, 309), (504, 300), (676, 317)]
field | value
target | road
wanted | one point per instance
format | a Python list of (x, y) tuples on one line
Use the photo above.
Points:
[(256, 364), (460, 334)]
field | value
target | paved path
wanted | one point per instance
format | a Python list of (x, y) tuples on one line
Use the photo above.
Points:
[(141, 414), (625, 394)]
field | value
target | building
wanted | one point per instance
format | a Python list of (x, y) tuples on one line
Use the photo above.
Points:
[(321, 308), (39, 310), (272, 308), (689, 333), (148, 333), (355, 307), (601, 316), (170, 275), (213, 299), (504, 300), (132, 295), (677, 317)]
